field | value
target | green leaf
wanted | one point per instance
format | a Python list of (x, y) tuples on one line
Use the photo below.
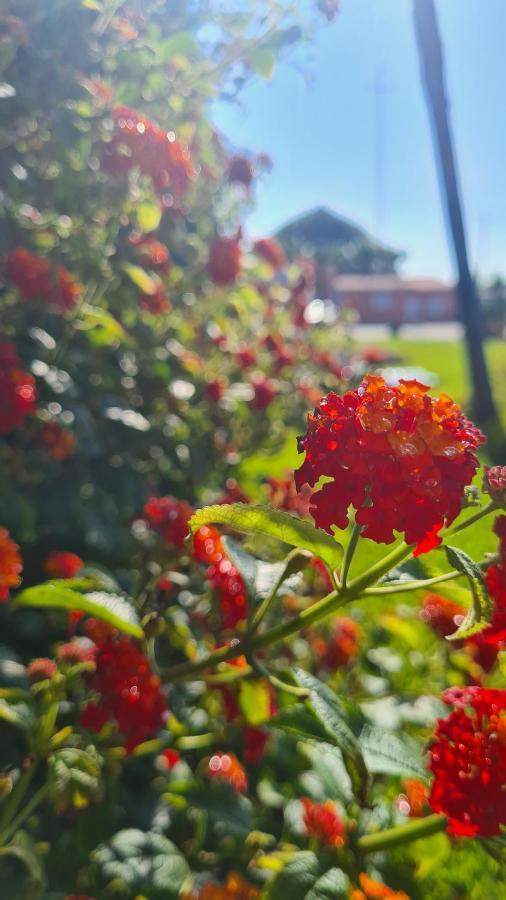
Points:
[(327, 762), (148, 217), (181, 44), (262, 60), (74, 778), (18, 714), (387, 754), (273, 523), (231, 812), (104, 329), (143, 863), (112, 608), (262, 577), (255, 700), (334, 885), (140, 278), (296, 878), (301, 722), (332, 717), (480, 613)]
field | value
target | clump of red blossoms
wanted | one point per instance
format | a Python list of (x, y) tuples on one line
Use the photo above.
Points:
[(235, 888), (137, 141), (156, 303), (129, 694), (494, 483), (224, 261), (322, 821), (11, 565), (270, 251), (495, 633), (37, 278), (62, 564), (223, 575), (468, 761), (255, 742), (375, 890), (400, 457), (415, 799), (74, 652), (341, 648), (226, 767), (152, 254), (17, 390), (240, 171), (444, 616), (264, 391), (168, 759), (283, 495), (59, 442), (41, 669), (169, 517)]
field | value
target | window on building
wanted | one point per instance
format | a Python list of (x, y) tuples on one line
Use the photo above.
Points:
[(437, 305), (381, 301), (412, 308)]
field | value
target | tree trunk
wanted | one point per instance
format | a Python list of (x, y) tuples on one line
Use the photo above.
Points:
[(433, 77)]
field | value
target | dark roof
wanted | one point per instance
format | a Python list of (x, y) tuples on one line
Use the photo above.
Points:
[(320, 226)]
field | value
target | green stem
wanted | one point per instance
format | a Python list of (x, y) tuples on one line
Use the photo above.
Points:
[(349, 552), (30, 807), (266, 604), (484, 511), (372, 575), (402, 834), (18, 792), (398, 587)]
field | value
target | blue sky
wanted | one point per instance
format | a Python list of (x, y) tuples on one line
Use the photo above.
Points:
[(317, 116)]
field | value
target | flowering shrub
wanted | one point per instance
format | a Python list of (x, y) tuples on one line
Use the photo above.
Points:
[(203, 695)]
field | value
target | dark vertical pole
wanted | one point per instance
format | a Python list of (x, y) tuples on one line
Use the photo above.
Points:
[(433, 77)]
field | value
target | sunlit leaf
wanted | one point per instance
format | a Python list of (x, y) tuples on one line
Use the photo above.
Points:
[(480, 612), (112, 608)]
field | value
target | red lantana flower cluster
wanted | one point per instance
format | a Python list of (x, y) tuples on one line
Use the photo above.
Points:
[(156, 303), (37, 279), (59, 442), (224, 261), (226, 767), (235, 888), (223, 575), (341, 648), (11, 565), (169, 517), (494, 482), (283, 495), (152, 253), (137, 141), (495, 577), (129, 694), (375, 890), (468, 761), (444, 617), (17, 390), (322, 822), (63, 564), (264, 391), (271, 252), (400, 457)]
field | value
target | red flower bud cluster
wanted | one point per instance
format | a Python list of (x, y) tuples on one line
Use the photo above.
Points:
[(495, 577), (341, 648), (156, 303), (271, 252), (223, 575), (255, 742), (226, 767), (168, 759), (63, 564), (494, 483), (264, 391), (11, 565), (139, 142), (235, 888), (322, 821), (151, 253), (17, 390), (444, 617), (59, 442), (37, 279), (468, 761), (400, 457), (224, 261), (169, 517), (41, 669), (415, 799), (375, 890), (129, 694), (74, 652), (283, 495)]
